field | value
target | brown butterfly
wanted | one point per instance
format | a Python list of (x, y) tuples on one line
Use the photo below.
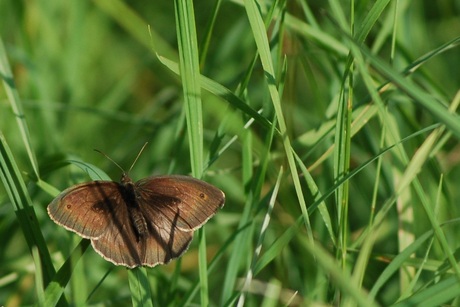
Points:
[(145, 223)]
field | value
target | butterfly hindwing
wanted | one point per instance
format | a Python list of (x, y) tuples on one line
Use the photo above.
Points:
[(120, 245), (165, 242)]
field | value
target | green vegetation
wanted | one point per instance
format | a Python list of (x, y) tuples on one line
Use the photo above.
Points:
[(332, 128)]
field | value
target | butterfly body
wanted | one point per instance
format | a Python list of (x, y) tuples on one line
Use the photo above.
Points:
[(132, 199), (148, 222)]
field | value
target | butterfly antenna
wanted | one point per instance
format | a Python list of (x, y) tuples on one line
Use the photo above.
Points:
[(110, 159), (138, 155)]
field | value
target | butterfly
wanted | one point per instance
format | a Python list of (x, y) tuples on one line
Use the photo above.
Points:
[(143, 223)]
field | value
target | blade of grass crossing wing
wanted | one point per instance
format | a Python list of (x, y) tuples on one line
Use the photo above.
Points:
[(190, 76)]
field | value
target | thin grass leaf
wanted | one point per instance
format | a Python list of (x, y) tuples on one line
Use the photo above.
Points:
[(204, 46), (254, 193), (141, 294), (439, 294), (436, 108), (317, 35), (23, 207), (371, 19), (55, 289), (190, 76), (364, 165), (214, 263), (410, 175), (317, 195), (16, 105), (422, 267), (339, 276), (259, 33), (264, 226), (136, 26), (38, 277), (243, 241), (275, 249), (222, 92)]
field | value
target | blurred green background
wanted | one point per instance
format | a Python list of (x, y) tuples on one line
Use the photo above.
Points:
[(364, 138)]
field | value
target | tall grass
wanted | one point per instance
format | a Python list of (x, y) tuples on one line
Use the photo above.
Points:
[(332, 128)]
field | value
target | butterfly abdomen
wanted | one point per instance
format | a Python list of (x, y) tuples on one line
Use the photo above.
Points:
[(135, 214), (139, 222)]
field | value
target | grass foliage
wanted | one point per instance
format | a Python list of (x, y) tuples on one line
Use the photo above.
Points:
[(331, 126)]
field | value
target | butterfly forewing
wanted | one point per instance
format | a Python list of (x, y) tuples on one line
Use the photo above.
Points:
[(185, 201), (86, 208)]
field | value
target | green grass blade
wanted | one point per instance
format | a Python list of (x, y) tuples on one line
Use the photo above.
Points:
[(420, 96), (264, 226), (55, 290), (222, 92), (339, 276), (136, 26), (437, 295), (16, 105), (141, 294), (259, 33), (190, 76), (23, 207)]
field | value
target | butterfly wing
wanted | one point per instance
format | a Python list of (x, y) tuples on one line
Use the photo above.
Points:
[(165, 243), (119, 244), (122, 247), (184, 202), (174, 206), (86, 208)]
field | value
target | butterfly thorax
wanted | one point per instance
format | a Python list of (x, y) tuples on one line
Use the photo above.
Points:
[(135, 212)]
